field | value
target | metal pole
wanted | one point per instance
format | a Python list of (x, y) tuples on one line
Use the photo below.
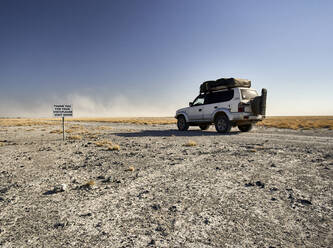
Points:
[(63, 128)]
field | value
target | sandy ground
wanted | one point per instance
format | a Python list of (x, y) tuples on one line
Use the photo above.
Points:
[(266, 188)]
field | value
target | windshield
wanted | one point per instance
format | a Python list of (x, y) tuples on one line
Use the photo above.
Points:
[(248, 94), (199, 100)]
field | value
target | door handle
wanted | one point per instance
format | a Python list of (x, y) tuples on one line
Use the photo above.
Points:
[(215, 107), (200, 110)]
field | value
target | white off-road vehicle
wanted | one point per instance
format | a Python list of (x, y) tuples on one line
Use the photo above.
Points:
[(226, 102)]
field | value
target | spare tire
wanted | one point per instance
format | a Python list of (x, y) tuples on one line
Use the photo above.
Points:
[(255, 105), (263, 102)]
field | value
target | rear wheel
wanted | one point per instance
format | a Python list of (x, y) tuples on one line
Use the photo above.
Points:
[(222, 124), (182, 124), (245, 128), (204, 126)]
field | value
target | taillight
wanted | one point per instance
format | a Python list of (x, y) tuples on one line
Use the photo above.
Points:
[(240, 107)]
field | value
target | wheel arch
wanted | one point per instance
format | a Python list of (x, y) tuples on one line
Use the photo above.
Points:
[(182, 114), (222, 112)]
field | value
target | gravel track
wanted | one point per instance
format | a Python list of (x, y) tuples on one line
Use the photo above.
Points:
[(267, 188)]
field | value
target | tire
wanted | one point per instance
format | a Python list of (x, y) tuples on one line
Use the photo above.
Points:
[(245, 128), (222, 124), (204, 126), (182, 124)]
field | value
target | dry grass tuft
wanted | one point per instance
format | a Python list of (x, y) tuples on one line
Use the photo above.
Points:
[(113, 147), (131, 168), (104, 128), (104, 143), (28, 122), (57, 131), (298, 122), (89, 185), (191, 143), (75, 137)]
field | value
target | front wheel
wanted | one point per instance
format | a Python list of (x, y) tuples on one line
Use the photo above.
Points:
[(204, 126), (245, 128), (222, 124), (182, 124)]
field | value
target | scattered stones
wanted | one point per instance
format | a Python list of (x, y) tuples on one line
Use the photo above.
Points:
[(59, 225), (140, 195), (258, 183), (173, 209)]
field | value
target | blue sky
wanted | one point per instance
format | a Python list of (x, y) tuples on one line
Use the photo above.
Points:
[(128, 57)]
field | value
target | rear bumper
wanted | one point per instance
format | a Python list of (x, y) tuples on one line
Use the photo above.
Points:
[(246, 117)]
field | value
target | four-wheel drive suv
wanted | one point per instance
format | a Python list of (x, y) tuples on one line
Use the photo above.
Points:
[(225, 102)]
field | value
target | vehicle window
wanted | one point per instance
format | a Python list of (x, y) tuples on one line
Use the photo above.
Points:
[(199, 100), (219, 96), (248, 94)]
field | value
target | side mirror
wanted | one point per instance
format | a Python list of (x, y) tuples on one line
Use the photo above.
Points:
[(190, 104)]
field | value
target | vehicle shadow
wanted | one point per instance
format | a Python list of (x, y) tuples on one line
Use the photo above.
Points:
[(168, 133)]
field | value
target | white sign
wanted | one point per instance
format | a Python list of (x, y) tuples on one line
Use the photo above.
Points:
[(62, 110)]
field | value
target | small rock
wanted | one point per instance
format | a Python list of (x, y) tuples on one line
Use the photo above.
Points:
[(86, 215), (101, 177), (60, 188), (218, 168), (1, 199), (273, 199), (206, 221), (260, 184), (152, 242), (156, 207), (107, 180), (304, 202)]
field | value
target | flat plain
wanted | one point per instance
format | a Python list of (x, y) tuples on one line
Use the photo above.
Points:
[(141, 183)]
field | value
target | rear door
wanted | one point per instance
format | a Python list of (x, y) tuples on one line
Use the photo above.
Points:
[(217, 99)]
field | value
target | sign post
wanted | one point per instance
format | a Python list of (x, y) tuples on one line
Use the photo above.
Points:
[(63, 110)]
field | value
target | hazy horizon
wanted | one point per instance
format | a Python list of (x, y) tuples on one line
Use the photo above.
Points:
[(148, 58)]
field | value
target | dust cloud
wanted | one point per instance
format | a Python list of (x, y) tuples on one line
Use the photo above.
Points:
[(88, 106)]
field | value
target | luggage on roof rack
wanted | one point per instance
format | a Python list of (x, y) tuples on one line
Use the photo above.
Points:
[(224, 83)]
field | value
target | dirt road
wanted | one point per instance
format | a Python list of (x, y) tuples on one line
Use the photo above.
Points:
[(266, 188)]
